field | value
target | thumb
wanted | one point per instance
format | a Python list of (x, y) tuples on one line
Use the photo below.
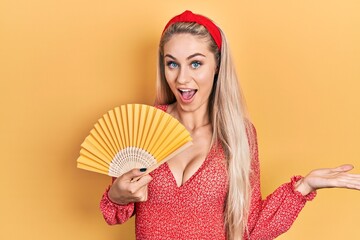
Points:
[(134, 173), (344, 168)]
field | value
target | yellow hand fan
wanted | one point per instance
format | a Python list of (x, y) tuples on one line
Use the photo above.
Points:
[(132, 136)]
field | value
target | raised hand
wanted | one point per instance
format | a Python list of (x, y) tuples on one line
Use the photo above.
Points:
[(124, 190), (329, 178)]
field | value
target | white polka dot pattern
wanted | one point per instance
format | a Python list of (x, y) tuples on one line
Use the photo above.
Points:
[(196, 209)]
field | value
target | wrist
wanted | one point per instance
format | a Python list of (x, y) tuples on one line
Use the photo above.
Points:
[(302, 187)]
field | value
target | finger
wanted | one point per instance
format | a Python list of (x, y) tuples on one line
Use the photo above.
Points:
[(141, 194), (349, 183), (144, 194), (143, 181), (133, 188), (344, 168), (134, 173), (350, 176)]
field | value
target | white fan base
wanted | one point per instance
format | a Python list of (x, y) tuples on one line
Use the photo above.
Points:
[(128, 159)]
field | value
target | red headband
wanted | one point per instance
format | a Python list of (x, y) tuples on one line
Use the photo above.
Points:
[(188, 16)]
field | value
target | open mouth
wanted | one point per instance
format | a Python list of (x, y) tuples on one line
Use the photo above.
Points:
[(187, 94)]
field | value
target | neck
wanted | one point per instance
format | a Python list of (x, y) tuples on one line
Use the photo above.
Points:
[(192, 120)]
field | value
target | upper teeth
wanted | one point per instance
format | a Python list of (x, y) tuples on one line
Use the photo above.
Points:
[(185, 90)]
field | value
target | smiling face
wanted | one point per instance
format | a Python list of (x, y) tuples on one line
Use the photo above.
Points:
[(190, 68)]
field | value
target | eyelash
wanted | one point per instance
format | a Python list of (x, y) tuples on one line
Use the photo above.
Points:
[(171, 64), (198, 63)]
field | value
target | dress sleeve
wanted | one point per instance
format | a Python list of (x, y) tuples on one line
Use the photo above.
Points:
[(114, 213), (273, 216)]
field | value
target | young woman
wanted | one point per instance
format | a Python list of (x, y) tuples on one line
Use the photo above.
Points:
[(211, 190)]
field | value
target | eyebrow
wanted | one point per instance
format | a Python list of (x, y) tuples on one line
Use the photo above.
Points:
[(189, 57)]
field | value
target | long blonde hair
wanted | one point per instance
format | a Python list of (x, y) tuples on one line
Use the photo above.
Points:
[(228, 116)]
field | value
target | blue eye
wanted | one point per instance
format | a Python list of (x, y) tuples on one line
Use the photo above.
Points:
[(172, 64), (195, 64)]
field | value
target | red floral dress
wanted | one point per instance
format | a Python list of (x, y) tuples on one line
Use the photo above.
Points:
[(195, 210)]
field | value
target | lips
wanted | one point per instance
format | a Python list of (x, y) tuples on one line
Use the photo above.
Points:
[(187, 94)]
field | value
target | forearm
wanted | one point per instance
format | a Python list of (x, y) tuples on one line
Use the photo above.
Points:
[(273, 216)]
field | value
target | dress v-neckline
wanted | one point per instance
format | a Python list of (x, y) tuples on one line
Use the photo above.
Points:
[(165, 108), (192, 176)]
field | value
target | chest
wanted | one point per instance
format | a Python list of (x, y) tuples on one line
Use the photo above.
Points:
[(184, 165), (208, 185)]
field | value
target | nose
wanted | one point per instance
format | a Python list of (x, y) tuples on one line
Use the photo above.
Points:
[(184, 76)]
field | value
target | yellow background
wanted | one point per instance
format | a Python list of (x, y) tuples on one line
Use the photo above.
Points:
[(65, 63)]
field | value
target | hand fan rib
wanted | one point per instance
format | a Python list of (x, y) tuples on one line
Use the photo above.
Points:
[(132, 136)]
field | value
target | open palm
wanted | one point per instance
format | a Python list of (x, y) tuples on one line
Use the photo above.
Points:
[(329, 178)]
